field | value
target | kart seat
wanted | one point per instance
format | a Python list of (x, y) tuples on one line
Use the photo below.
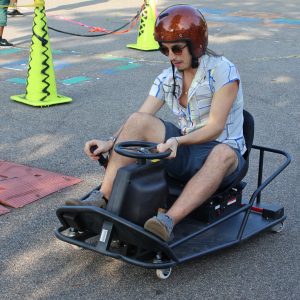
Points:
[(227, 192), (248, 130)]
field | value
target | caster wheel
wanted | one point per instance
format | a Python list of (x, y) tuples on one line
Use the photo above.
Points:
[(71, 232), (163, 273), (278, 227)]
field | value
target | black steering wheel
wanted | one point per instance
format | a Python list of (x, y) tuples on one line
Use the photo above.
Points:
[(140, 149)]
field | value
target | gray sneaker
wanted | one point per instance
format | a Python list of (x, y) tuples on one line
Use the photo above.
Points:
[(161, 226), (95, 198)]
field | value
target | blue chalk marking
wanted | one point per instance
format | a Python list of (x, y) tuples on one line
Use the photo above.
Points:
[(213, 11), (57, 52), (17, 80), (21, 65), (58, 65), (60, 52), (9, 51), (18, 65), (75, 80), (232, 19), (120, 68), (109, 71), (117, 58), (218, 15), (110, 57), (286, 21), (128, 67)]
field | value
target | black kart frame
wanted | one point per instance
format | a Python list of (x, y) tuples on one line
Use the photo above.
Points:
[(98, 228)]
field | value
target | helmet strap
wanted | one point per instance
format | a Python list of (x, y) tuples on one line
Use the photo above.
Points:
[(195, 60), (174, 80)]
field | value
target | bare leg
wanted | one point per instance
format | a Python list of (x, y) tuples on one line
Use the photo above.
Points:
[(1, 30), (221, 161), (139, 126)]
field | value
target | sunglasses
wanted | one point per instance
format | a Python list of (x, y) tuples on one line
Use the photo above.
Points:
[(176, 49)]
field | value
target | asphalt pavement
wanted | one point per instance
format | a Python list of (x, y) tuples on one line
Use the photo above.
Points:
[(107, 81)]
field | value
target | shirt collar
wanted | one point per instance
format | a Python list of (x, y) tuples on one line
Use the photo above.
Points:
[(207, 63)]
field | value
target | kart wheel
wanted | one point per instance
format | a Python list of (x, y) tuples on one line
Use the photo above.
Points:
[(163, 273), (71, 232), (278, 227)]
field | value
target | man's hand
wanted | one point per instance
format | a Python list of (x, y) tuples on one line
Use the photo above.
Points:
[(171, 144), (102, 147)]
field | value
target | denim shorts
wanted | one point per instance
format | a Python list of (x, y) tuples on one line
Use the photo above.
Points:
[(190, 158), (3, 12)]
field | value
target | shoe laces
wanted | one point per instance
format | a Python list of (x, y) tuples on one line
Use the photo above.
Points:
[(95, 197), (166, 220)]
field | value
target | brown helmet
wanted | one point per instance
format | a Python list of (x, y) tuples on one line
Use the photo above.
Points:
[(182, 23)]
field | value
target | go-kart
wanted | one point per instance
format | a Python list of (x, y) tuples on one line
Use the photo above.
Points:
[(142, 188)]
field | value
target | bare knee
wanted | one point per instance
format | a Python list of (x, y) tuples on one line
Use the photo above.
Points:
[(224, 155), (138, 119), (143, 126)]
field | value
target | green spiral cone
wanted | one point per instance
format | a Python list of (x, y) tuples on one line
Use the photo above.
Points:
[(41, 85)]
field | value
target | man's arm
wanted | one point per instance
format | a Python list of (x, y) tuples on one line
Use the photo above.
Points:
[(220, 107), (151, 105)]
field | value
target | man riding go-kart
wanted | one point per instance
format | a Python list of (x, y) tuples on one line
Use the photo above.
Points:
[(204, 91), (159, 175)]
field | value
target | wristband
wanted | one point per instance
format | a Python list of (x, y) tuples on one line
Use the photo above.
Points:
[(176, 139)]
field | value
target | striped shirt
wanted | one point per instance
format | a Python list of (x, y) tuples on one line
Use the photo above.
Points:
[(212, 74)]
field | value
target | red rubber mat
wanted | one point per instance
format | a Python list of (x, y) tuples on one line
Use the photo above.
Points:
[(3, 210), (21, 185)]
